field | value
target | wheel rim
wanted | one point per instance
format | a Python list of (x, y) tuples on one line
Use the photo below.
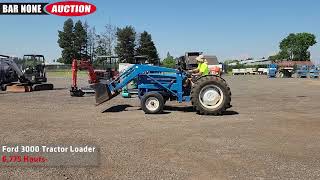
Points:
[(152, 104), (211, 96)]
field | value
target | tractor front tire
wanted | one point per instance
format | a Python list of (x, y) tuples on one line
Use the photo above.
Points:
[(152, 103), (210, 95)]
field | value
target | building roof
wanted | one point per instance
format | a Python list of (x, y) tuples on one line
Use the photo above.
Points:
[(212, 60), (293, 63)]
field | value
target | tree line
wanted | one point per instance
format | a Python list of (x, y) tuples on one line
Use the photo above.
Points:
[(295, 47), (78, 40)]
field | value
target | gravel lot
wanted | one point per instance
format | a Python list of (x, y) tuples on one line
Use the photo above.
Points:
[(271, 132)]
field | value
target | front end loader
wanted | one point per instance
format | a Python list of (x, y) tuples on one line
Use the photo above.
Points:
[(209, 95)]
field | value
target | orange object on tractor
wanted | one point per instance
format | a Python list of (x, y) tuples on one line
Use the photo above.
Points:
[(215, 70)]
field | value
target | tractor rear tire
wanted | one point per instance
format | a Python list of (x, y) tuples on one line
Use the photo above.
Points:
[(210, 95), (152, 103)]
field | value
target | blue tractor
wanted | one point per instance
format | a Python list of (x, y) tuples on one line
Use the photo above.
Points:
[(302, 71), (314, 71), (209, 95), (272, 70)]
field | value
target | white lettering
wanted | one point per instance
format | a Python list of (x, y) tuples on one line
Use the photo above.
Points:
[(10, 149), (66, 8), (31, 8), (82, 149), (81, 9), (60, 9), (71, 9), (54, 149), (54, 9), (10, 9), (87, 8), (4, 8)]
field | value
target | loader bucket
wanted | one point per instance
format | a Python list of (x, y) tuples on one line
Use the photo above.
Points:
[(102, 93)]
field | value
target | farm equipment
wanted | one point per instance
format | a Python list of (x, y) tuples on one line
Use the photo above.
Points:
[(31, 78), (132, 88), (209, 95), (94, 75), (285, 72), (7, 73), (302, 71), (82, 64), (272, 70), (109, 66), (188, 61), (314, 71)]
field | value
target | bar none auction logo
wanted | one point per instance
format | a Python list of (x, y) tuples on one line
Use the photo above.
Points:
[(62, 8)]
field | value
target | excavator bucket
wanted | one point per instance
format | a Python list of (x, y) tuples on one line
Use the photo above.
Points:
[(102, 93), (19, 88)]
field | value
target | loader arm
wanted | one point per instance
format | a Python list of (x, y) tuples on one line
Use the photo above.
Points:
[(105, 92)]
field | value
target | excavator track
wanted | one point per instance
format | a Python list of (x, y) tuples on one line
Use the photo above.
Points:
[(20, 87), (24, 87), (42, 87)]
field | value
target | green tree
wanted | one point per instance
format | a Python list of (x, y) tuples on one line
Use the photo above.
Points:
[(295, 46), (147, 48), (169, 62), (279, 56), (65, 41), (80, 40), (125, 48)]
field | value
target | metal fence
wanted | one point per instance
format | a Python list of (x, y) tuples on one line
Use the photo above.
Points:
[(63, 67)]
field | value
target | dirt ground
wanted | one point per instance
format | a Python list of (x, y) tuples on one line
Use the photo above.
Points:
[(271, 132)]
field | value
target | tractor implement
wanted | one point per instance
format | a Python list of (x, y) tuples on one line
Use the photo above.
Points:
[(102, 93), (82, 64), (209, 95), (94, 76)]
